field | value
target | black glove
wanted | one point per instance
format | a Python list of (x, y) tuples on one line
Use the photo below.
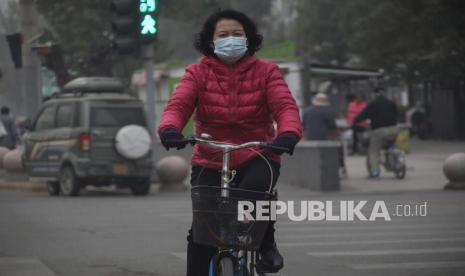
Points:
[(287, 141), (171, 138)]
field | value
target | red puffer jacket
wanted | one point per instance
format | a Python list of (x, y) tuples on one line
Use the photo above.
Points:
[(235, 104)]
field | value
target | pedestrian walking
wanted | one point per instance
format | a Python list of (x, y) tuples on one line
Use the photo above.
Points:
[(354, 108), (319, 123), (10, 139)]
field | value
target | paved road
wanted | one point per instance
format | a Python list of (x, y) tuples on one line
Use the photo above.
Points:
[(114, 233)]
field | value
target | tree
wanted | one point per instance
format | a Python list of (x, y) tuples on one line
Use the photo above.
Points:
[(412, 40), (318, 31), (82, 31)]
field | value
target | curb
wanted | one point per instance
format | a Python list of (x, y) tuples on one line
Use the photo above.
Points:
[(39, 187), (23, 186)]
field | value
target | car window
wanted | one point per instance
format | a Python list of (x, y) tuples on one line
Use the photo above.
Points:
[(65, 115), (46, 119), (116, 116)]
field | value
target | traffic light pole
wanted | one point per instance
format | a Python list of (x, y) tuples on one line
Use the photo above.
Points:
[(148, 55), (32, 89)]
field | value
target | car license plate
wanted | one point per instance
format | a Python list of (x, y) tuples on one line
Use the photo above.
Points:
[(120, 169)]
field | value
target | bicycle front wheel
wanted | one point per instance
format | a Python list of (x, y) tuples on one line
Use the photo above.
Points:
[(400, 168), (225, 267), (400, 172)]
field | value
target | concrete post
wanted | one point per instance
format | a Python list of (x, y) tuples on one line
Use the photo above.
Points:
[(150, 86), (173, 171), (454, 170)]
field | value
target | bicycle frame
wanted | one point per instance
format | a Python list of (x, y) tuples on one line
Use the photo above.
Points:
[(227, 176)]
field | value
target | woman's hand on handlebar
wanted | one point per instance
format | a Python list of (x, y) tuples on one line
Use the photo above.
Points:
[(171, 138), (284, 143)]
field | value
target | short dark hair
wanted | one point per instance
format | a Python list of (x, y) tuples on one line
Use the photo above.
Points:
[(350, 97), (5, 110), (204, 39)]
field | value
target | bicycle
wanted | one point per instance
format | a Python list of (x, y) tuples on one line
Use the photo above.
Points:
[(393, 159), (215, 220)]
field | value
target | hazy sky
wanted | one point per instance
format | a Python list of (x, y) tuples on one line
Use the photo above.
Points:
[(4, 3), (4, 14)]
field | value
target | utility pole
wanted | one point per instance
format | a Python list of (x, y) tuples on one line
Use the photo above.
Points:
[(148, 55), (135, 28), (31, 79), (148, 30), (305, 80)]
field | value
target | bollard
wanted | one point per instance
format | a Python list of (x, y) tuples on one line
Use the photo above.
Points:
[(454, 170), (172, 172), (12, 161), (314, 165)]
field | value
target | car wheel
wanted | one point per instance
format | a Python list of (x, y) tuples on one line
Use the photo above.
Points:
[(141, 187), (53, 188), (69, 184)]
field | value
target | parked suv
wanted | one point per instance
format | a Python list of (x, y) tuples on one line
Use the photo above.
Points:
[(92, 133)]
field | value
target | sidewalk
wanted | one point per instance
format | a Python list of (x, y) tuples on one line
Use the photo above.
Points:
[(424, 169), (424, 172), (19, 182)]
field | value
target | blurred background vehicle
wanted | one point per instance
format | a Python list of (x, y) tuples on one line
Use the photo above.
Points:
[(90, 134)]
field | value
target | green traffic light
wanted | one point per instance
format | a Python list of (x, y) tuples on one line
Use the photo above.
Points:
[(147, 6), (148, 25)]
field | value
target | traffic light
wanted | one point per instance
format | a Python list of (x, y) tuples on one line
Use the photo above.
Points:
[(125, 26), (148, 27)]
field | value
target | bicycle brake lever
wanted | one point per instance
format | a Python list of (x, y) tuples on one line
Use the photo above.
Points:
[(191, 140)]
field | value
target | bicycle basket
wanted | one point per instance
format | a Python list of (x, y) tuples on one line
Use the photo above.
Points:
[(215, 221)]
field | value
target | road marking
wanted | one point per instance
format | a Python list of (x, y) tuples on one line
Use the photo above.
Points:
[(180, 255), (387, 252), (183, 256), (24, 267), (377, 234), (318, 243), (416, 265), (326, 223)]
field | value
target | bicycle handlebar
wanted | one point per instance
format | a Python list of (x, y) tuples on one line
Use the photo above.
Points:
[(232, 147)]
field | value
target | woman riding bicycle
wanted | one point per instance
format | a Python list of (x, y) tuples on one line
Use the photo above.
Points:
[(236, 98)]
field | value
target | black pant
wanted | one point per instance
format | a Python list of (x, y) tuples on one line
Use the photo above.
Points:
[(356, 132), (340, 152), (255, 175)]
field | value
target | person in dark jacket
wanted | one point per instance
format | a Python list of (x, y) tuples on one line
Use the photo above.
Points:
[(382, 114), (10, 139), (319, 122)]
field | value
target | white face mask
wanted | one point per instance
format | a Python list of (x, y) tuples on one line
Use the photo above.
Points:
[(230, 49)]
